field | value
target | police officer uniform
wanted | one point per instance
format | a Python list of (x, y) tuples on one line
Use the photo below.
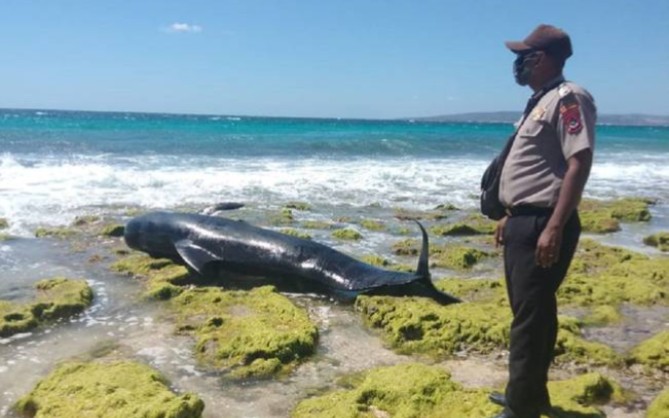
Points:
[(560, 124)]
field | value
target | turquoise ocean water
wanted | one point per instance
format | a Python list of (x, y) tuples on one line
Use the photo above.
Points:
[(57, 164)]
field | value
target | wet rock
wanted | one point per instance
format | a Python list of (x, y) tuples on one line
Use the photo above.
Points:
[(653, 353), (256, 333), (55, 298), (312, 224), (295, 233), (284, 217), (120, 389), (112, 230), (373, 225), (347, 234), (165, 279), (3, 223), (60, 232), (659, 240), (471, 225), (303, 206)]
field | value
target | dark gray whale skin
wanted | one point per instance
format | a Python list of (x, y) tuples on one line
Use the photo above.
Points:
[(202, 242)]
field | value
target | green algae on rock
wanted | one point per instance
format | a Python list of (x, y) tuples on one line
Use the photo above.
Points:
[(659, 240), (3, 223), (602, 275), (653, 352), (254, 333), (313, 224), (347, 234), (481, 325), (412, 215), (415, 390), (60, 232), (373, 225), (285, 217), (457, 257), (60, 297), (375, 260), (472, 225), (605, 216), (580, 395), (407, 246), (303, 206), (114, 390), (56, 298), (659, 408), (15, 318), (295, 233), (165, 278), (112, 230), (411, 390)]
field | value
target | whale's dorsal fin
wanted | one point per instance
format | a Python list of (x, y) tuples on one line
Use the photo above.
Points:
[(194, 255)]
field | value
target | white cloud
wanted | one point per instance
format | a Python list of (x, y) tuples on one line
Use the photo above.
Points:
[(178, 27)]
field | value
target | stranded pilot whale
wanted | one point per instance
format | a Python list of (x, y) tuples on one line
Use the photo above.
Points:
[(203, 242)]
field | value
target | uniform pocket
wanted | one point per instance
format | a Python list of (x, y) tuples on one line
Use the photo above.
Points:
[(531, 129)]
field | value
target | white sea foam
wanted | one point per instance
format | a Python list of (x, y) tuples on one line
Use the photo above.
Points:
[(54, 191)]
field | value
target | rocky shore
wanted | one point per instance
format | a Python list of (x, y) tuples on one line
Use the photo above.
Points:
[(257, 335)]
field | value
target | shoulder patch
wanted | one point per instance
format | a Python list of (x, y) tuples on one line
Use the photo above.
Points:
[(570, 110)]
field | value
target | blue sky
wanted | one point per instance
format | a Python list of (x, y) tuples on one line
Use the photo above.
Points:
[(345, 58)]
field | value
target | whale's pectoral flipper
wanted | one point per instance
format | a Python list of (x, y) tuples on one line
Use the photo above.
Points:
[(195, 256)]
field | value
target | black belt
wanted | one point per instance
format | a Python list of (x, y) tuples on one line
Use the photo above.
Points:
[(525, 210)]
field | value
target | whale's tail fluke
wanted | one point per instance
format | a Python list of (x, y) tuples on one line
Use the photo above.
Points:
[(425, 278)]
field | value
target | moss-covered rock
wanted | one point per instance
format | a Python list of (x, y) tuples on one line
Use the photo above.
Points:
[(295, 233), (347, 234), (471, 225), (15, 318), (659, 408), (419, 391), (579, 396), (659, 240), (5, 237), (253, 333), (457, 257), (313, 224), (85, 220), (602, 275), (404, 391), (407, 246), (481, 325), (605, 216), (164, 278), (60, 297), (61, 232), (653, 352), (373, 225), (3, 223), (303, 206), (118, 389), (407, 215), (55, 298), (112, 230), (284, 217)]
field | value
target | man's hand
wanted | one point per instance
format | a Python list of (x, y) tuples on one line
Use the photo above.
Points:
[(548, 246), (499, 232)]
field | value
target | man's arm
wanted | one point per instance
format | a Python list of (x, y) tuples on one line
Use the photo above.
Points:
[(550, 240)]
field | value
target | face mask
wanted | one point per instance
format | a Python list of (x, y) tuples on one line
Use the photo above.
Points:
[(523, 67)]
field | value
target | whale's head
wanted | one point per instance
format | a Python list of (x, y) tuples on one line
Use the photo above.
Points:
[(153, 233)]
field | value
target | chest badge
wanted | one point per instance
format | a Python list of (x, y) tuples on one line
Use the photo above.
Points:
[(538, 113)]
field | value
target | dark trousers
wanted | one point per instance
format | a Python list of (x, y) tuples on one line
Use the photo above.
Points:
[(531, 290)]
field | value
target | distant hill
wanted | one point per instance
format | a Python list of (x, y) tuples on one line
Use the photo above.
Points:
[(633, 119)]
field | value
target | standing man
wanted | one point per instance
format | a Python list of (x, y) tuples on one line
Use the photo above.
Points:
[(541, 185)]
